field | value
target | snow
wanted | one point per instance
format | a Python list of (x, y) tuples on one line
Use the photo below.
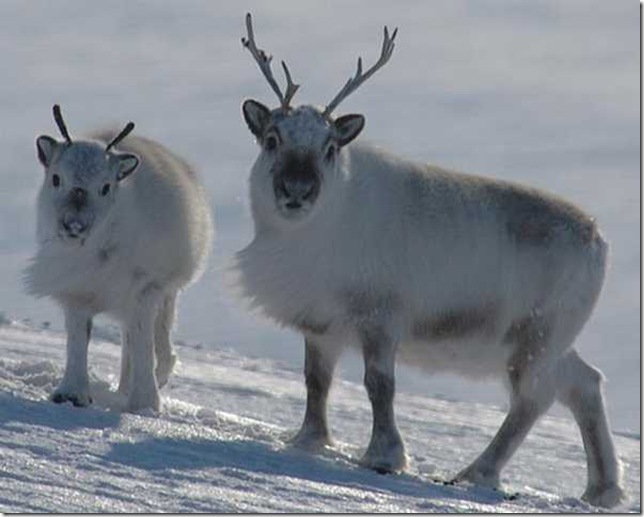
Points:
[(220, 444), (545, 93)]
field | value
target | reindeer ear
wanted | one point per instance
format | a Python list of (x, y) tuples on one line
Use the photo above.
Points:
[(124, 163), (46, 147), (256, 116), (348, 127)]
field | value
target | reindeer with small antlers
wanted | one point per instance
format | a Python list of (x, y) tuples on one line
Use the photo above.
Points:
[(442, 270), (122, 227)]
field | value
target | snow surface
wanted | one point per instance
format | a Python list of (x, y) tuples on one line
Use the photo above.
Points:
[(545, 93), (219, 444)]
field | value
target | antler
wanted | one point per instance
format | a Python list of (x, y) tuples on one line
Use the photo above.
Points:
[(264, 62), (58, 117), (126, 131), (354, 82)]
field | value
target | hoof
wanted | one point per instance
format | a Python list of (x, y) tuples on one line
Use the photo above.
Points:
[(386, 469), (477, 476), (310, 441), (384, 465), (604, 497), (139, 404), (164, 370), (78, 400), (385, 460)]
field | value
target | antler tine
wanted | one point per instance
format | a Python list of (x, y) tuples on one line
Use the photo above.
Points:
[(354, 82), (264, 62), (291, 87), (126, 131), (58, 117)]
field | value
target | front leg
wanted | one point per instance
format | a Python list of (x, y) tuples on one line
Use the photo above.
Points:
[(74, 386), (386, 451), (138, 359), (319, 364)]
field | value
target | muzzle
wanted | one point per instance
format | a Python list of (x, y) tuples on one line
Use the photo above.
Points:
[(297, 184)]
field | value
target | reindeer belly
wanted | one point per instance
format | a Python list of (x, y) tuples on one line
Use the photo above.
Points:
[(102, 283), (473, 356), (466, 340)]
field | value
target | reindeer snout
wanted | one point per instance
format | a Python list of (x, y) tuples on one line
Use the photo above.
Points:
[(78, 197), (295, 190), (296, 182)]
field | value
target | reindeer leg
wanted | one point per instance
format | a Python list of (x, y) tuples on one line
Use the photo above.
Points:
[(532, 386), (74, 386), (143, 392), (386, 451), (319, 364), (166, 358), (485, 470), (124, 382), (580, 388), (533, 392)]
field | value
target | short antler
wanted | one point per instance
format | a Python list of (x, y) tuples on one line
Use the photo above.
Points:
[(126, 131), (354, 82), (264, 62), (58, 117)]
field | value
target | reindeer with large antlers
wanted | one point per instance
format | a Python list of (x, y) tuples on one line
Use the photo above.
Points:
[(123, 225), (443, 270)]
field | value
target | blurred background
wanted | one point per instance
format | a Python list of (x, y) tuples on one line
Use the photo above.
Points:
[(543, 92)]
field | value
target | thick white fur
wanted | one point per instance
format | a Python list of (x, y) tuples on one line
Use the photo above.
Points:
[(410, 243), (150, 242)]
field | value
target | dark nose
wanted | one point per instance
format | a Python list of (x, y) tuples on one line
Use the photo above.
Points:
[(78, 197), (296, 188)]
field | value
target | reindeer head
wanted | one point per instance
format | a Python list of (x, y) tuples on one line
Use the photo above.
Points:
[(300, 146), (81, 180)]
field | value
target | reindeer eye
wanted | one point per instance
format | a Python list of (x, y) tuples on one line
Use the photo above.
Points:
[(330, 153), (270, 144), (105, 189), (55, 180)]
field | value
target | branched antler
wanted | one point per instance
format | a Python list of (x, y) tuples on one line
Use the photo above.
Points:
[(58, 117), (354, 82), (126, 131), (264, 62)]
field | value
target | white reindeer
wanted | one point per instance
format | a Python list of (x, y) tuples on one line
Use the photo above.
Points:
[(442, 270), (120, 232)]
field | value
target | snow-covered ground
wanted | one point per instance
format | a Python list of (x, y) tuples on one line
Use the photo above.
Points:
[(542, 92), (219, 444)]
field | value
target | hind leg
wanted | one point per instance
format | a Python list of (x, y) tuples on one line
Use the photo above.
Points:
[(124, 382), (142, 390), (164, 351), (532, 392), (580, 388), (527, 405)]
